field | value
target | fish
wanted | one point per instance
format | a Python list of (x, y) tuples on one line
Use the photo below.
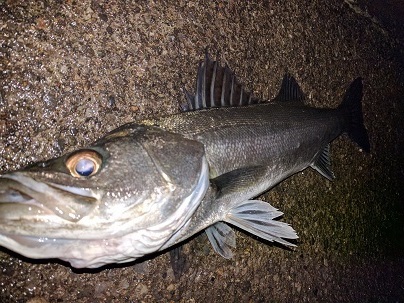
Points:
[(150, 185)]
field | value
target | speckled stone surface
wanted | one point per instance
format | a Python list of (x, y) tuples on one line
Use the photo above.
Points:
[(72, 70)]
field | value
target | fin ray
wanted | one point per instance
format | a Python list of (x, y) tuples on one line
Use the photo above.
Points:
[(212, 85)]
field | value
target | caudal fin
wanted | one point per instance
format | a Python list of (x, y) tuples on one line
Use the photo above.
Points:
[(352, 104)]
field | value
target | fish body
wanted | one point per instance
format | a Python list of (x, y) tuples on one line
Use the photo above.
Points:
[(149, 185), (252, 148)]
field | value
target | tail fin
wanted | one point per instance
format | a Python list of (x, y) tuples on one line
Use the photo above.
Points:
[(352, 104)]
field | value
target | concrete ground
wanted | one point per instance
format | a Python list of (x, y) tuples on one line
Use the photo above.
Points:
[(73, 70)]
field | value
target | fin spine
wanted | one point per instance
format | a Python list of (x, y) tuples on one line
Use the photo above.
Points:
[(204, 86), (212, 85)]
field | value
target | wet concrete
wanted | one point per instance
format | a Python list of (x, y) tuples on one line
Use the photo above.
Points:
[(70, 71)]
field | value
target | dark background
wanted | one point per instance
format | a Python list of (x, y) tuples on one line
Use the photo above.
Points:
[(72, 70)]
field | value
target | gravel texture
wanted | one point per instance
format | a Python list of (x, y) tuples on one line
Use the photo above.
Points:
[(72, 70)]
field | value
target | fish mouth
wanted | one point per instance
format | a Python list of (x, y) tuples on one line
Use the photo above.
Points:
[(23, 198), (37, 219)]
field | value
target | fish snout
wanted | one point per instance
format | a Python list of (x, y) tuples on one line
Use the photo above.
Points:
[(26, 196)]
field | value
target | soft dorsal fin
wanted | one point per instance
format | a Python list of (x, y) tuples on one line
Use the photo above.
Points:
[(290, 90), (217, 86)]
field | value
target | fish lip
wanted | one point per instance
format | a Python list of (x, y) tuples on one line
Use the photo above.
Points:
[(23, 189)]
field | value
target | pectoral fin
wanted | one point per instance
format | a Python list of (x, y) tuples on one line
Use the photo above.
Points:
[(256, 217), (239, 179), (253, 216)]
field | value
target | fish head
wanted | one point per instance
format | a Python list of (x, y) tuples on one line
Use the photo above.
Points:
[(119, 199)]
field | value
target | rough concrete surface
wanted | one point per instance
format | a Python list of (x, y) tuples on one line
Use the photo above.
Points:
[(72, 70)]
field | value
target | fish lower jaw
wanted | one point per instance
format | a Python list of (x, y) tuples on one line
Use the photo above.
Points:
[(87, 253)]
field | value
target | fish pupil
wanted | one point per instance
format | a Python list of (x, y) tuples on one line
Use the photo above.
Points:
[(85, 167)]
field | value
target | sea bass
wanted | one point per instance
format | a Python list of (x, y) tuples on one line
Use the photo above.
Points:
[(147, 186)]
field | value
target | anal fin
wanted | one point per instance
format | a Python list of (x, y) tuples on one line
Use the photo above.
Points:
[(322, 164)]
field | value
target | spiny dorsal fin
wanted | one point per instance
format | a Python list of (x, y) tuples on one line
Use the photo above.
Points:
[(217, 86), (322, 164), (290, 90)]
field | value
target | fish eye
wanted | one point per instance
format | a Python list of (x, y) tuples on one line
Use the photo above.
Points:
[(84, 163)]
